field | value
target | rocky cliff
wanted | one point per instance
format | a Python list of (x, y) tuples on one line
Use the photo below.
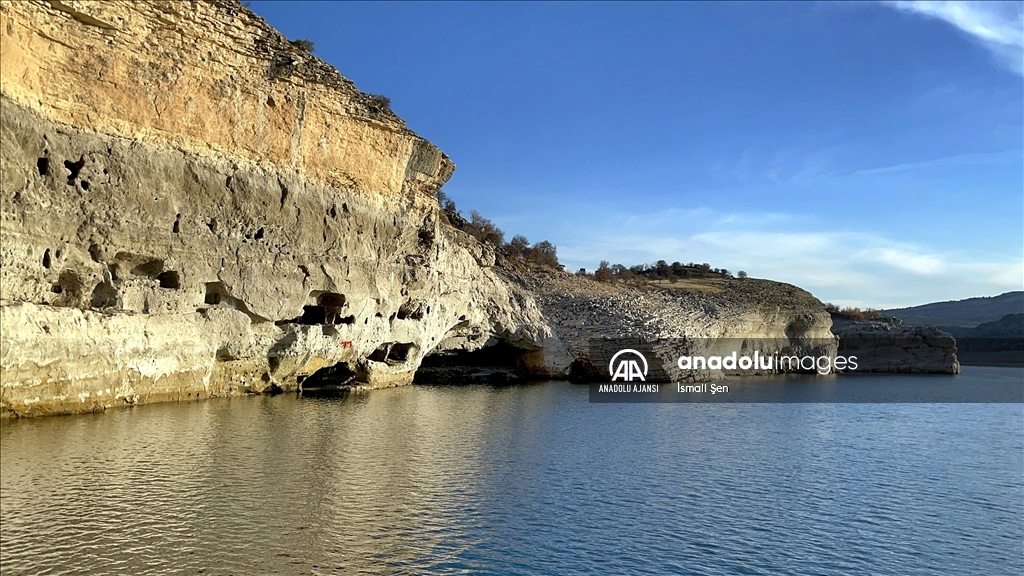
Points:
[(191, 206), (887, 345)]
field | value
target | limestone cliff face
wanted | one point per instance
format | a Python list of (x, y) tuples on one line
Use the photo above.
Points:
[(887, 346), (192, 207)]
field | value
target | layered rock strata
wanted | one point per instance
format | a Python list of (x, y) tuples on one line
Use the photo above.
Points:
[(888, 346), (193, 207)]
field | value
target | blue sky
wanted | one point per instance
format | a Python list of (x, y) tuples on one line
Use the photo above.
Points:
[(872, 153)]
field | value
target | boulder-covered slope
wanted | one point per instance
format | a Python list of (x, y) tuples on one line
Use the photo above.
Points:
[(700, 316)]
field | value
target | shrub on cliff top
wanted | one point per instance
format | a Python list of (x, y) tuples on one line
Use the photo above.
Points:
[(381, 101), (852, 313), (304, 44), (484, 230)]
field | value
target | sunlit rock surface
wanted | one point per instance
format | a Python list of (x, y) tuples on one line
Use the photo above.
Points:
[(191, 207)]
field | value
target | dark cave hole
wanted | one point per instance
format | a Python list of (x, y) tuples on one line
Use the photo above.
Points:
[(501, 354), (400, 351), (176, 228), (501, 363), (215, 292), (46, 259), (104, 295), (170, 280), (311, 315), (380, 354), (411, 311), (332, 299), (74, 168), (329, 381), (69, 283), (393, 352), (284, 193), (85, 184), (259, 234), (43, 165)]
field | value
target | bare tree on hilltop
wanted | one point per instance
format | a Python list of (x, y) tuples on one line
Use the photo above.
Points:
[(517, 251)]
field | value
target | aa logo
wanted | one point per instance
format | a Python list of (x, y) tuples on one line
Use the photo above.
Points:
[(627, 368)]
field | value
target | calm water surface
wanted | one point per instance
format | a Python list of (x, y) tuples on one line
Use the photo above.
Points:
[(516, 480)]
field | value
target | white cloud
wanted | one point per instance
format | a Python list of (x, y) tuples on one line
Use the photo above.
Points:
[(923, 264), (999, 26), (867, 269)]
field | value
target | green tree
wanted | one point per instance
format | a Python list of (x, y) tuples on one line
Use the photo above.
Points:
[(517, 247)]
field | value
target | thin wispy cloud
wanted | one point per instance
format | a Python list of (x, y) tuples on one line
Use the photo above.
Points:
[(856, 268), (999, 26), (1004, 158)]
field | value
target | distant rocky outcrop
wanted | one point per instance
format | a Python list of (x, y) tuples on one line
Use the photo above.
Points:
[(888, 345)]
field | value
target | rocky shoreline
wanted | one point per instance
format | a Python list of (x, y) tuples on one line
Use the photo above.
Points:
[(192, 206)]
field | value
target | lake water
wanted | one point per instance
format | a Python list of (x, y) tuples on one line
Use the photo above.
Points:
[(528, 479)]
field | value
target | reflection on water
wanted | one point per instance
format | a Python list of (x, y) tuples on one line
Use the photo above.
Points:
[(524, 479)]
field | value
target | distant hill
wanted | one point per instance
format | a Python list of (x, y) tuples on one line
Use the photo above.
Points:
[(1009, 326), (968, 313), (999, 343)]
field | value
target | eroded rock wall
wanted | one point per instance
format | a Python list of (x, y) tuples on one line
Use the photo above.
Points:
[(701, 317), (888, 346), (192, 207)]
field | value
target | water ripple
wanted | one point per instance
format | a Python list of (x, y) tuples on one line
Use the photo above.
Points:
[(514, 480)]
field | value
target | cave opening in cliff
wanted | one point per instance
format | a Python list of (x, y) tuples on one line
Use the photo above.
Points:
[(393, 352), (74, 168), (169, 280), (500, 363), (150, 268), (327, 310), (215, 292), (328, 381), (410, 311), (43, 165), (104, 295)]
